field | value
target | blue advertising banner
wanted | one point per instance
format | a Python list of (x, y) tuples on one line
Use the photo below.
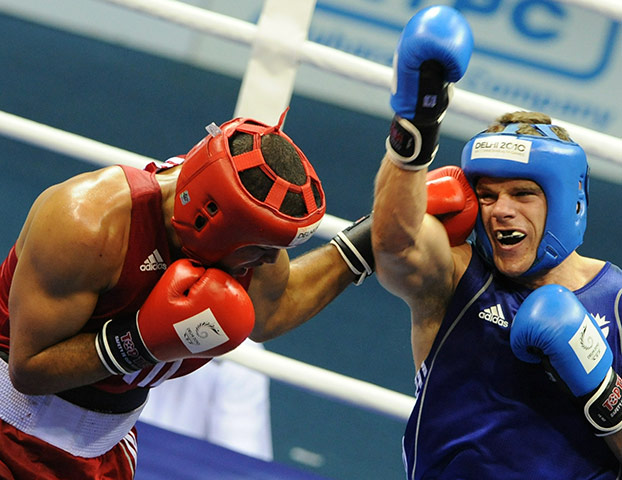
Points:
[(538, 54)]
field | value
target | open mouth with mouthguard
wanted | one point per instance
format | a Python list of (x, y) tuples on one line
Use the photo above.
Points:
[(509, 237)]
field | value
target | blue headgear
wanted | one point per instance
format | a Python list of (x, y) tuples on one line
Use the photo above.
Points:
[(559, 167)]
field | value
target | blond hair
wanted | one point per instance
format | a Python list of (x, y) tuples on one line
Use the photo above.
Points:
[(526, 121)]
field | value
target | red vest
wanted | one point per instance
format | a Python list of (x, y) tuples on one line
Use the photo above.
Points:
[(146, 259)]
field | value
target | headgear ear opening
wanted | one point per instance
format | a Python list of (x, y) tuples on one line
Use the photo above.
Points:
[(558, 166)]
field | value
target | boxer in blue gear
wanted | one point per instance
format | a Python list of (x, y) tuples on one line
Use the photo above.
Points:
[(514, 334)]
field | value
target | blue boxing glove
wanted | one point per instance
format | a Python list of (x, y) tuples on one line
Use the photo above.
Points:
[(553, 326), (433, 51)]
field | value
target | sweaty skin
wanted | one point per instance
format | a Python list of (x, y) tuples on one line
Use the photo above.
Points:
[(72, 248)]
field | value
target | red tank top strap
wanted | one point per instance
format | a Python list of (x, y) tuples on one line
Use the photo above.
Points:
[(147, 253)]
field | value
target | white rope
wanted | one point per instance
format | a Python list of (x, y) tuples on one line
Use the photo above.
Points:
[(609, 8), (469, 105), (243, 32), (193, 17), (318, 380), (67, 143), (478, 107), (346, 65), (240, 31), (104, 155), (331, 226)]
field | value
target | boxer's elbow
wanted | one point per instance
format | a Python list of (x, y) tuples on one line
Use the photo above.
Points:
[(23, 380), (29, 378)]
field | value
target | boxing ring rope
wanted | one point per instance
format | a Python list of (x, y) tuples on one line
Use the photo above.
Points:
[(608, 8), (66, 143), (326, 58), (466, 104), (101, 154), (477, 107), (320, 381)]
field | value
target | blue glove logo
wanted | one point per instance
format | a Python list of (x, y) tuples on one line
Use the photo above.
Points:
[(588, 344)]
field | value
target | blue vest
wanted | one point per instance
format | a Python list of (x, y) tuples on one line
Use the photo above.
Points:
[(482, 414)]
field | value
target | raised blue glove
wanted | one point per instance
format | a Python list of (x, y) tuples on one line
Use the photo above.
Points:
[(553, 326), (434, 50)]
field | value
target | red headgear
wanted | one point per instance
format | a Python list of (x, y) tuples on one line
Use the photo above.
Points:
[(214, 214)]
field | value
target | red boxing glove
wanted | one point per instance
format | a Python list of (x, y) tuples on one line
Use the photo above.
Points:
[(191, 312), (452, 200)]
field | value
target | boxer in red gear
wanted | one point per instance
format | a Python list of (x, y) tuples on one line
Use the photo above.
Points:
[(94, 247)]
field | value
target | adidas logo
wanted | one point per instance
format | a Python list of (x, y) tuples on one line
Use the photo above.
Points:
[(153, 262), (495, 315)]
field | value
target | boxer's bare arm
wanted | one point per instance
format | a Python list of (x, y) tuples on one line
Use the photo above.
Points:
[(70, 250), (286, 295)]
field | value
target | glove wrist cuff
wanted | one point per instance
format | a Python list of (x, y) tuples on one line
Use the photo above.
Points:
[(354, 246), (120, 348), (411, 146), (604, 408), (357, 264)]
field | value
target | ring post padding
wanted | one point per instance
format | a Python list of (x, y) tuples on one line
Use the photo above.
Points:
[(269, 78)]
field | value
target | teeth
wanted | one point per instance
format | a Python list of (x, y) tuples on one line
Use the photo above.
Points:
[(510, 236)]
